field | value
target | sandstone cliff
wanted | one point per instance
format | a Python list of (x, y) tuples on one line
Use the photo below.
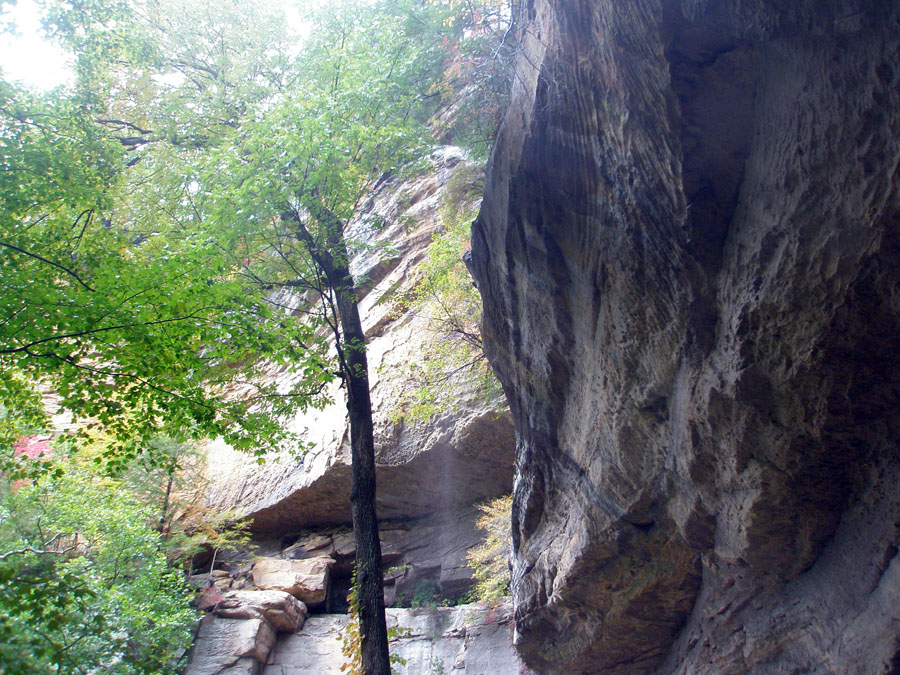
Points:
[(688, 254), (429, 473), (462, 455)]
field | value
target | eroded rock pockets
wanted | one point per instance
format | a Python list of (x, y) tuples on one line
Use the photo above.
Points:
[(687, 253)]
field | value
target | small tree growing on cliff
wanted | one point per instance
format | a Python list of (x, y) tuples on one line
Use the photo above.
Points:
[(490, 559), (446, 298)]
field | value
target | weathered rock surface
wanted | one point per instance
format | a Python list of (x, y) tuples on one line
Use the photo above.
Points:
[(428, 554), (688, 253), (236, 637), (230, 646), (424, 560), (307, 580), (468, 639), (458, 458), (434, 550), (281, 610)]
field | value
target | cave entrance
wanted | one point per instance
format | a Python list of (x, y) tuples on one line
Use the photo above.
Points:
[(339, 589)]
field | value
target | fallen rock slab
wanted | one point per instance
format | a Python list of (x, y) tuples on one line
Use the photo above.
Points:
[(230, 646), (281, 610), (307, 580)]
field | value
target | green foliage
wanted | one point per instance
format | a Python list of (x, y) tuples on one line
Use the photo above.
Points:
[(351, 637), (148, 214), (130, 322), (171, 481), (446, 296), (148, 217), (21, 414), (84, 584), (479, 44), (490, 559), (436, 665), (425, 594)]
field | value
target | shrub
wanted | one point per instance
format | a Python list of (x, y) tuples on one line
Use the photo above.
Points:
[(425, 594), (490, 559), (84, 583)]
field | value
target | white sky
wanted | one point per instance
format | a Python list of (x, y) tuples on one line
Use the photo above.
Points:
[(28, 56)]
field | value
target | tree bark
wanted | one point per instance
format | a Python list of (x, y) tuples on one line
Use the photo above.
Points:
[(369, 579), (334, 262), (163, 517)]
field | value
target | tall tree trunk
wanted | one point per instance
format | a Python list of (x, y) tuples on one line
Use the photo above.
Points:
[(369, 579), (335, 263), (163, 517)]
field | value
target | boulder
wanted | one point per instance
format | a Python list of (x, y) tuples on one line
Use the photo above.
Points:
[(310, 546), (307, 580), (232, 646), (282, 611), (344, 545)]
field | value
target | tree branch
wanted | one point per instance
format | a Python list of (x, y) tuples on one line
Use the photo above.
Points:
[(41, 551), (54, 338), (49, 262), (123, 124), (129, 376)]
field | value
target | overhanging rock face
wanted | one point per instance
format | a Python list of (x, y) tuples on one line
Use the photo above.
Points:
[(461, 456), (688, 254)]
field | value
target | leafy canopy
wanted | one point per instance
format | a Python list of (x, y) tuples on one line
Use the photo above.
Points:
[(130, 320), (144, 215)]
